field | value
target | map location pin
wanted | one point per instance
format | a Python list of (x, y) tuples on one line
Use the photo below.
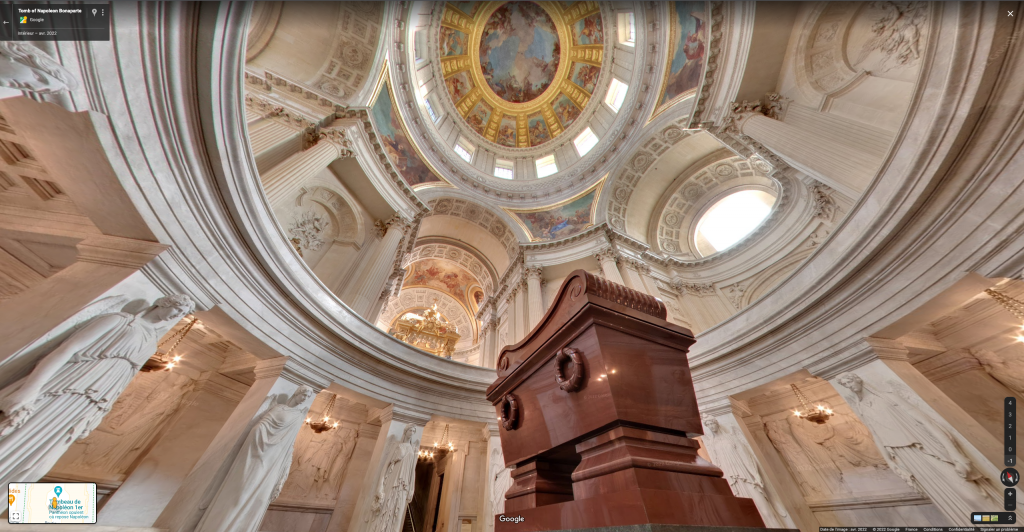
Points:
[(10, 499), (57, 490)]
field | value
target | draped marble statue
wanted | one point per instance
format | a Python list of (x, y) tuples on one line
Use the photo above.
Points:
[(501, 481), (24, 67), (70, 389), (394, 489), (923, 453), (742, 471), (260, 468)]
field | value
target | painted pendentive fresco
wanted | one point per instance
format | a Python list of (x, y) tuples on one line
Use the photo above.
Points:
[(687, 51), (519, 51), (441, 275), (560, 221), (565, 110), (395, 141), (453, 42), (585, 76), (507, 131), (459, 86), (538, 129), (588, 30), (479, 116)]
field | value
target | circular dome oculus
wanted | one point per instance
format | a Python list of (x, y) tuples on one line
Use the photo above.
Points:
[(519, 51), (521, 73), (730, 219)]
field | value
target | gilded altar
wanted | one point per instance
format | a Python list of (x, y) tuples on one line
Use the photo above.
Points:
[(428, 330)]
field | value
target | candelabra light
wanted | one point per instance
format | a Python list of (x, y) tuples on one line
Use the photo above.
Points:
[(1012, 305), (445, 445), (820, 414), (325, 423), (167, 361)]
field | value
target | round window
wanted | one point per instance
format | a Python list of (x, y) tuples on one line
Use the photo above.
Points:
[(730, 219)]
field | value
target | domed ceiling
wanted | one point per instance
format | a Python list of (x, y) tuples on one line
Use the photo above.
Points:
[(520, 73)]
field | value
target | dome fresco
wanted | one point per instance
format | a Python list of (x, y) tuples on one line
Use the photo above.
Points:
[(521, 73), (519, 51)]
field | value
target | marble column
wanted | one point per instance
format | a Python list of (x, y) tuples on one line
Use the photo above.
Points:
[(382, 467), (283, 181), (491, 348), (152, 483), (354, 475), (608, 260), (929, 441), (534, 294), (520, 309), (365, 291), (838, 152), (510, 318), (274, 377), (272, 143), (632, 276), (499, 479)]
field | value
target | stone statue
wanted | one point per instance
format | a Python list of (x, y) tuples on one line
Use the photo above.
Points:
[(742, 471), (395, 488), (501, 481), (260, 468), (811, 482), (921, 451), (26, 68), (70, 390), (1006, 367)]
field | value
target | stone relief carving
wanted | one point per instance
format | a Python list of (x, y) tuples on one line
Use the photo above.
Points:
[(734, 293), (359, 26), (394, 488), (71, 388), (730, 452), (27, 68), (920, 450), (694, 289), (319, 465), (821, 456), (1006, 367), (141, 411), (260, 468), (501, 480), (307, 230), (897, 31), (825, 207)]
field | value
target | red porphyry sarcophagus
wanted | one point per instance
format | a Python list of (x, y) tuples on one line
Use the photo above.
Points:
[(597, 413)]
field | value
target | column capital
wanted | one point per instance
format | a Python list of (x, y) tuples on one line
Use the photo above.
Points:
[(607, 254), (534, 272), (396, 220), (339, 138)]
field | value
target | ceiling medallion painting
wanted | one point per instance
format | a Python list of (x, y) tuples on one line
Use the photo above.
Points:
[(519, 51), (520, 73), (561, 220), (687, 52)]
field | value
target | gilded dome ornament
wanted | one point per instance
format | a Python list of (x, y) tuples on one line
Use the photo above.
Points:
[(521, 73)]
